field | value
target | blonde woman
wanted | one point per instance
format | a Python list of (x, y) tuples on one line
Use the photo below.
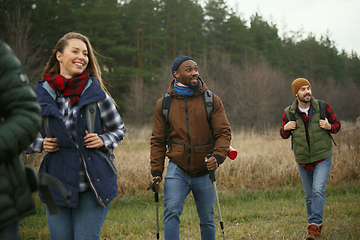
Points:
[(81, 160)]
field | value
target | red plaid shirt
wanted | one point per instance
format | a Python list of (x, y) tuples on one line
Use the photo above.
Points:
[(330, 115)]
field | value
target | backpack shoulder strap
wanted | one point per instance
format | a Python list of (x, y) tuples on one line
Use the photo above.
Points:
[(209, 107), (47, 126), (90, 113), (322, 109), (45, 181), (292, 115), (166, 103), (209, 104), (322, 106)]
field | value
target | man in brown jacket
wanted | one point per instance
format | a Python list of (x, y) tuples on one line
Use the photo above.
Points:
[(191, 141)]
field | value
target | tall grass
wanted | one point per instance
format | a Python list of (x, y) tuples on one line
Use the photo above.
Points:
[(260, 192), (264, 160)]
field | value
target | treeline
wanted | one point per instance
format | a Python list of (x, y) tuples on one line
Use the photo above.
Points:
[(249, 67)]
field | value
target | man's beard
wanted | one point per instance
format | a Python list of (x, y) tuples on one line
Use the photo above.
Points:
[(194, 87), (303, 99)]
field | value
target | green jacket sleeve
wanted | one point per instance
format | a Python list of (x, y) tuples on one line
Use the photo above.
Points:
[(20, 114)]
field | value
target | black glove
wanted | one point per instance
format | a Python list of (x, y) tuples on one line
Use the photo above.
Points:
[(155, 183)]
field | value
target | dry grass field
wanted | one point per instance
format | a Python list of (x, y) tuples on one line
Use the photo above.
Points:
[(260, 191), (264, 160)]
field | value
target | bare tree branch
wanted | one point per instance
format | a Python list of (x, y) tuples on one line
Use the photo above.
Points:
[(26, 46)]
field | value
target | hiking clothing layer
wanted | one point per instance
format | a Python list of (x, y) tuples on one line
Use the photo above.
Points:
[(66, 163), (315, 143), (190, 133), (20, 121)]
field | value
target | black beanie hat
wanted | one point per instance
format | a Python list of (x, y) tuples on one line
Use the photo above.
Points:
[(178, 61)]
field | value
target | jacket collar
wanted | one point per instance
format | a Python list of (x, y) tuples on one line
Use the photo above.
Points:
[(46, 96), (314, 106)]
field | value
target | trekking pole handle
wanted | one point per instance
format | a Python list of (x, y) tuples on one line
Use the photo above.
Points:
[(212, 172), (156, 196), (153, 185)]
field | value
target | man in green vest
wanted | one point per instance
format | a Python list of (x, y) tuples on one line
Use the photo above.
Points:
[(312, 146)]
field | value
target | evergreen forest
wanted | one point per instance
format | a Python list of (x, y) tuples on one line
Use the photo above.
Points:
[(244, 61)]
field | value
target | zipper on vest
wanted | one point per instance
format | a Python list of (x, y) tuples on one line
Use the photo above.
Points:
[(188, 133), (91, 183)]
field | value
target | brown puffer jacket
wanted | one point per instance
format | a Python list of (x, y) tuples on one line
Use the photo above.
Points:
[(190, 133)]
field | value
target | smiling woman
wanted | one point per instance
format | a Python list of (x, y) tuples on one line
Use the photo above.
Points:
[(74, 58), (81, 159)]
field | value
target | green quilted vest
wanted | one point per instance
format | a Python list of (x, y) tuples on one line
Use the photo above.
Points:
[(320, 143)]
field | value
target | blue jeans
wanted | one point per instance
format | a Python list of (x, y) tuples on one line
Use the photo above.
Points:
[(314, 185), (176, 188), (81, 223), (10, 232)]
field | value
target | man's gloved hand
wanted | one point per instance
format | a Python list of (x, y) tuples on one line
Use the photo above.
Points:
[(155, 183)]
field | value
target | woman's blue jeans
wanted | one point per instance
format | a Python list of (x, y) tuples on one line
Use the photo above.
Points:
[(81, 223), (176, 188), (314, 185)]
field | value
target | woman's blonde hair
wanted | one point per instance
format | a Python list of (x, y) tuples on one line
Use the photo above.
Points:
[(93, 66)]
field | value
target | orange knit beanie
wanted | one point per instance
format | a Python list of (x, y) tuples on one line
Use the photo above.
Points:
[(298, 83)]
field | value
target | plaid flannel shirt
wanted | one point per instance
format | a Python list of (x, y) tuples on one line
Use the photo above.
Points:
[(115, 128)]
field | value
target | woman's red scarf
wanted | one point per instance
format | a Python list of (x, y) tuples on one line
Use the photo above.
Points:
[(69, 87)]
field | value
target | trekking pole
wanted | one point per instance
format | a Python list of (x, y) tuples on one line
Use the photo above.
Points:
[(157, 206), (157, 214), (212, 177)]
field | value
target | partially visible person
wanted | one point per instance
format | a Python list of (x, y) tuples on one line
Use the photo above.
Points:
[(312, 146), (192, 140), (20, 121), (80, 159)]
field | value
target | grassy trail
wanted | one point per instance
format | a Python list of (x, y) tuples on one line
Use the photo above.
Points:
[(260, 193), (259, 214)]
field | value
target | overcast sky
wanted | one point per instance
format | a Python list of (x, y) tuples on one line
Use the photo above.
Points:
[(339, 18)]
